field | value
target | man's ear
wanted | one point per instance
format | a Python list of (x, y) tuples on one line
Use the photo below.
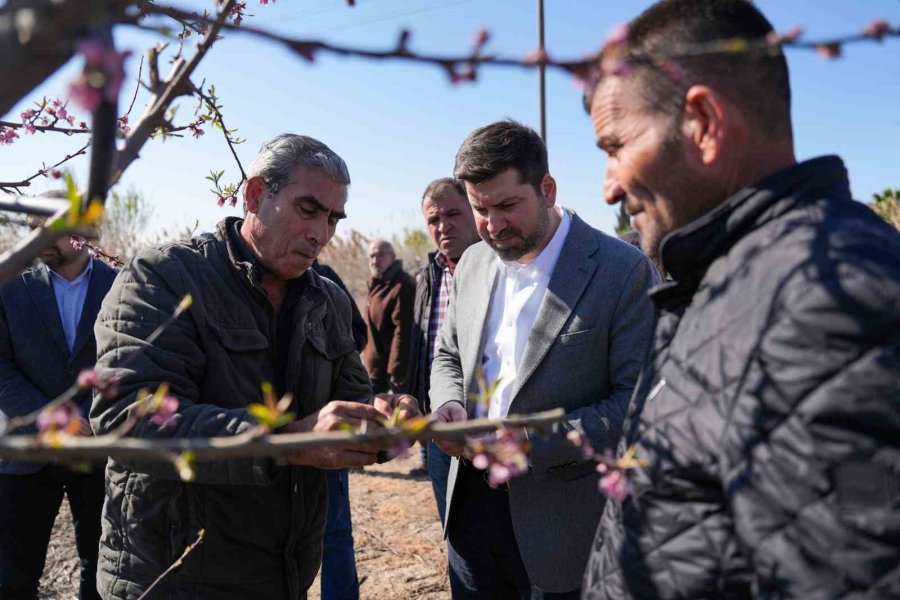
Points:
[(253, 193), (548, 188), (707, 122)]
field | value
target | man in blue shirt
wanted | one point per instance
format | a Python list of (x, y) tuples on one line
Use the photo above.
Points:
[(47, 319)]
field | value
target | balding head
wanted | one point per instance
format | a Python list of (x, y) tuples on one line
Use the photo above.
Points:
[(381, 256)]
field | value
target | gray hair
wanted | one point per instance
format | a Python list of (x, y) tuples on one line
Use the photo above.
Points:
[(278, 157)]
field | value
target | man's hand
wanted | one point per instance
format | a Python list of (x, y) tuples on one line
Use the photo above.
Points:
[(451, 412), (333, 417), (406, 406)]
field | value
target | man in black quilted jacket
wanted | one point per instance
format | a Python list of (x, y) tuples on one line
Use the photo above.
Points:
[(768, 414)]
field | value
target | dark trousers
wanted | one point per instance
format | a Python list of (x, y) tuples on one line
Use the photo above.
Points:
[(484, 556), (438, 464), (28, 507), (339, 580)]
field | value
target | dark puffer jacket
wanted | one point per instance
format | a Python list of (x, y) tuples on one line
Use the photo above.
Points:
[(263, 522), (769, 414)]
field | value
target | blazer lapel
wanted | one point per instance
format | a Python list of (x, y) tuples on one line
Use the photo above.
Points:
[(41, 289), (476, 315), (97, 288), (571, 275)]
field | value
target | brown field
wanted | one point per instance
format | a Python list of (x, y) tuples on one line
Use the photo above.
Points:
[(399, 551)]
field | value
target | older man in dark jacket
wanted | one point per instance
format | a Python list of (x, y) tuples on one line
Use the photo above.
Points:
[(389, 313), (767, 416), (259, 314)]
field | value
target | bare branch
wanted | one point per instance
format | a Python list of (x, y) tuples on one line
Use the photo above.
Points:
[(54, 128), (45, 170), (177, 85)]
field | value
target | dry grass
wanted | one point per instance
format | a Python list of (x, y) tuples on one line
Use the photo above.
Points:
[(399, 551)]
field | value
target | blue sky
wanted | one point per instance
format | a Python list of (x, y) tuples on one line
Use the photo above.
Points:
[(399, 125)]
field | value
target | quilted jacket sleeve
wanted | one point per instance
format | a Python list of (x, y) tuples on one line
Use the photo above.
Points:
[(144, 295), (812, 464)]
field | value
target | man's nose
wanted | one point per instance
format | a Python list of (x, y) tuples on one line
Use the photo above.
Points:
[(612, 190), (495, 223)]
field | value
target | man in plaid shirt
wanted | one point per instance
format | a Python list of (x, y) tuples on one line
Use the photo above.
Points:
[(451, 226)]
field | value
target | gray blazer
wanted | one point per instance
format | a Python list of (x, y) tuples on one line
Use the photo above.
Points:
[(584, 354)]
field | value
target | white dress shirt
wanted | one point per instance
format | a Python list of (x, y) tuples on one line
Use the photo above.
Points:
[(514, 307)]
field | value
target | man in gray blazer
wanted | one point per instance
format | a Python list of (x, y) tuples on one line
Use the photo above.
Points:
[(558, 313)]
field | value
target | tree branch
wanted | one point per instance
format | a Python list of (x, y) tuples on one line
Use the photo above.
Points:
[(250, 444), (177, 85)]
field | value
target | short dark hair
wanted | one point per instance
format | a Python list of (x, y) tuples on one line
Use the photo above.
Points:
[(491, 150), (755, 80), (438, 188)]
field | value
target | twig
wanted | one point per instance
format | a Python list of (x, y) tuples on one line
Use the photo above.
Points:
[(43, 171), (136, 87), (249, 444), (308, 48), (210, 103), (66, 130), (176, 86), (175, 564)]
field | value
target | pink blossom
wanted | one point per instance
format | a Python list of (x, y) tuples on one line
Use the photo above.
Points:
[(615, 485), (482, 36), (87, 378), (829, 51), (58, 417), (123, 124), (221, 201), (196, 130), (82, 124), (877, 29), (579, 440), (28, 114), (55, 173), (165, 412), (237, 12), (104, 72), (537, 56), (617, 35), (109, 387), (29, 128), (460, 76), (77, 242), (7, 135), (499, 474), (480, 461)]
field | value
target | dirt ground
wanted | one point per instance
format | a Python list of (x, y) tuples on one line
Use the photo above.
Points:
[(399, 551)]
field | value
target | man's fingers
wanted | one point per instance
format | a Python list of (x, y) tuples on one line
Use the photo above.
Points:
[(383, 406)]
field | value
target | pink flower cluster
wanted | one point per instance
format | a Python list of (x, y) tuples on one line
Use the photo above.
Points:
[(108, 386), (164, 411), (104, 72), (62, 416), (614, 483), (7, 135), (231, 200), (503, 455)]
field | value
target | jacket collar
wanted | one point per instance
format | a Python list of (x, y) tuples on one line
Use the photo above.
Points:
[(389, 274), (687, 253), (249, 267)]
